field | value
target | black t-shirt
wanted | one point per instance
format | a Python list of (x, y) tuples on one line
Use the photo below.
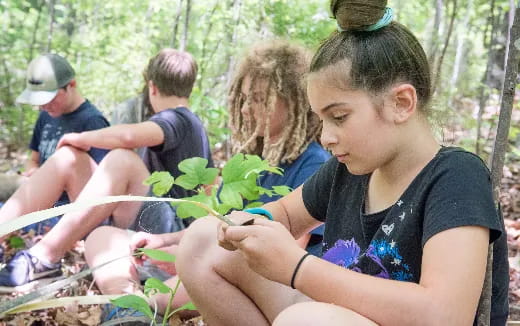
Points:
[(453, 190), (184, 137)]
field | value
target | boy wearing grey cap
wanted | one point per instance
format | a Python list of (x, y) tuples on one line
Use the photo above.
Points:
[(51, 85)]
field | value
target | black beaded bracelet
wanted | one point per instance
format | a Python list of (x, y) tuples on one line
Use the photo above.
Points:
[(297, 268)]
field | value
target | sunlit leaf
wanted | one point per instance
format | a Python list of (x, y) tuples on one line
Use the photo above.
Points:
[(134, 302), (156, 254)]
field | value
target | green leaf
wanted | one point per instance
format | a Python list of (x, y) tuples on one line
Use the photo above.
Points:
[(254, 204), (154, 285), (161, 182), (187, 306), (157, 254), (195, 173), (16, 242), (134, 302), (185, 210), (239, 177), (282, 190)]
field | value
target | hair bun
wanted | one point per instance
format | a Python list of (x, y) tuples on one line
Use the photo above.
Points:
[(355, 14)]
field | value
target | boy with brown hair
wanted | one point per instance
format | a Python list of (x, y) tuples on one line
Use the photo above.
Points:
[(171, 135)]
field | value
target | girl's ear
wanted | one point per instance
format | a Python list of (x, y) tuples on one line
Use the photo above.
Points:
[(404, 96)]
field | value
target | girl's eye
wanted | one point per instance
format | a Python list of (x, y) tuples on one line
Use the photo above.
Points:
[(339, 118)]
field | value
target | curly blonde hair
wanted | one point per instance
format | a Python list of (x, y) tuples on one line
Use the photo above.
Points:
[(283, 66)]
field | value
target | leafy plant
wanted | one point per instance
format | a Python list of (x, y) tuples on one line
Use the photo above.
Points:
[(239, 185), (153, 286)]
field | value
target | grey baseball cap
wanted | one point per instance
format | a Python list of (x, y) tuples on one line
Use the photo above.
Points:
[(45, 76)]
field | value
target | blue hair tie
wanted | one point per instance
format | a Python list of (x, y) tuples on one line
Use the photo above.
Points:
[(384, 21)]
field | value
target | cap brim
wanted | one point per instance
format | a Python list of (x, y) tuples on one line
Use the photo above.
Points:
[(36, 97)]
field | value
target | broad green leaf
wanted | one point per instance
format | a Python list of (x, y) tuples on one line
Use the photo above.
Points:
[(134, 302), (254, 204), (161, 182), (157, 254), (16, 242), (282, 190), (195, 173), (152, 285), (185, 210), (223, 209), (239, 177), (187, 306)]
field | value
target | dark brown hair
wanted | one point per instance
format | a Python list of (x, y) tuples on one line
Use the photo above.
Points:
[(282, 66), (173, 72), (373, 60)]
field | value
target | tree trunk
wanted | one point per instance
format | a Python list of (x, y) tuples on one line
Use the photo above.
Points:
[(232, 36), (51, 26), (437, 75), (499, 151), (35, 31), (204, 60), (176, 24), (184, 41), (493, 23), (434, 41), (462, 32)]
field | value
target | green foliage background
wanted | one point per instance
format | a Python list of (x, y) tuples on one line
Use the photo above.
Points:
[(109, 43)]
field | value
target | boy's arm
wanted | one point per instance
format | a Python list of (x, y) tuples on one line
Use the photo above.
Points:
[(144, 134)]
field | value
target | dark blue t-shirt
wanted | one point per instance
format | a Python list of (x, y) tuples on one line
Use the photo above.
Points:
[(48, 130), (184, 137), (296, 173)]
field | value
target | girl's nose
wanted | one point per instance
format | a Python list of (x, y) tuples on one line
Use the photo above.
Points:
[(328, 138)]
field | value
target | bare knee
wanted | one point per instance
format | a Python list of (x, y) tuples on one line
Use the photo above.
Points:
[(69, 157), (196, 246), (121, 157), (101, 240), (319, 313)]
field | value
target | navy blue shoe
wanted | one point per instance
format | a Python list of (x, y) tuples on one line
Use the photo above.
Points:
[(24, 268)]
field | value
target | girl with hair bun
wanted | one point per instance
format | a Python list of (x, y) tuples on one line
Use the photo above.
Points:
[(407, 221)]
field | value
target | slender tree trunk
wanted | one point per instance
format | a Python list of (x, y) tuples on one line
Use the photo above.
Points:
[(434, 41), (204, 61), (232, 36), (462, 32), (499, 150), (437, 75), (51, 26), (176, 24), (493, 25), (184, 41), (35, 31)]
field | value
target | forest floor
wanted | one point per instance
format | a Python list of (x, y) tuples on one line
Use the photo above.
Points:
[(76, 315)]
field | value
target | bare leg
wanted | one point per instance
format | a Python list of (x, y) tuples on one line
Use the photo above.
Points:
[(319, 313), (107, 243), (224, 289), (68, 170), (121, 172)]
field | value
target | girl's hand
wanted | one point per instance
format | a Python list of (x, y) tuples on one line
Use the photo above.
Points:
[(268, 248), (238, 217)]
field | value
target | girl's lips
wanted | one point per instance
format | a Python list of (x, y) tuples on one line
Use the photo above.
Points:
[(341, 157)]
